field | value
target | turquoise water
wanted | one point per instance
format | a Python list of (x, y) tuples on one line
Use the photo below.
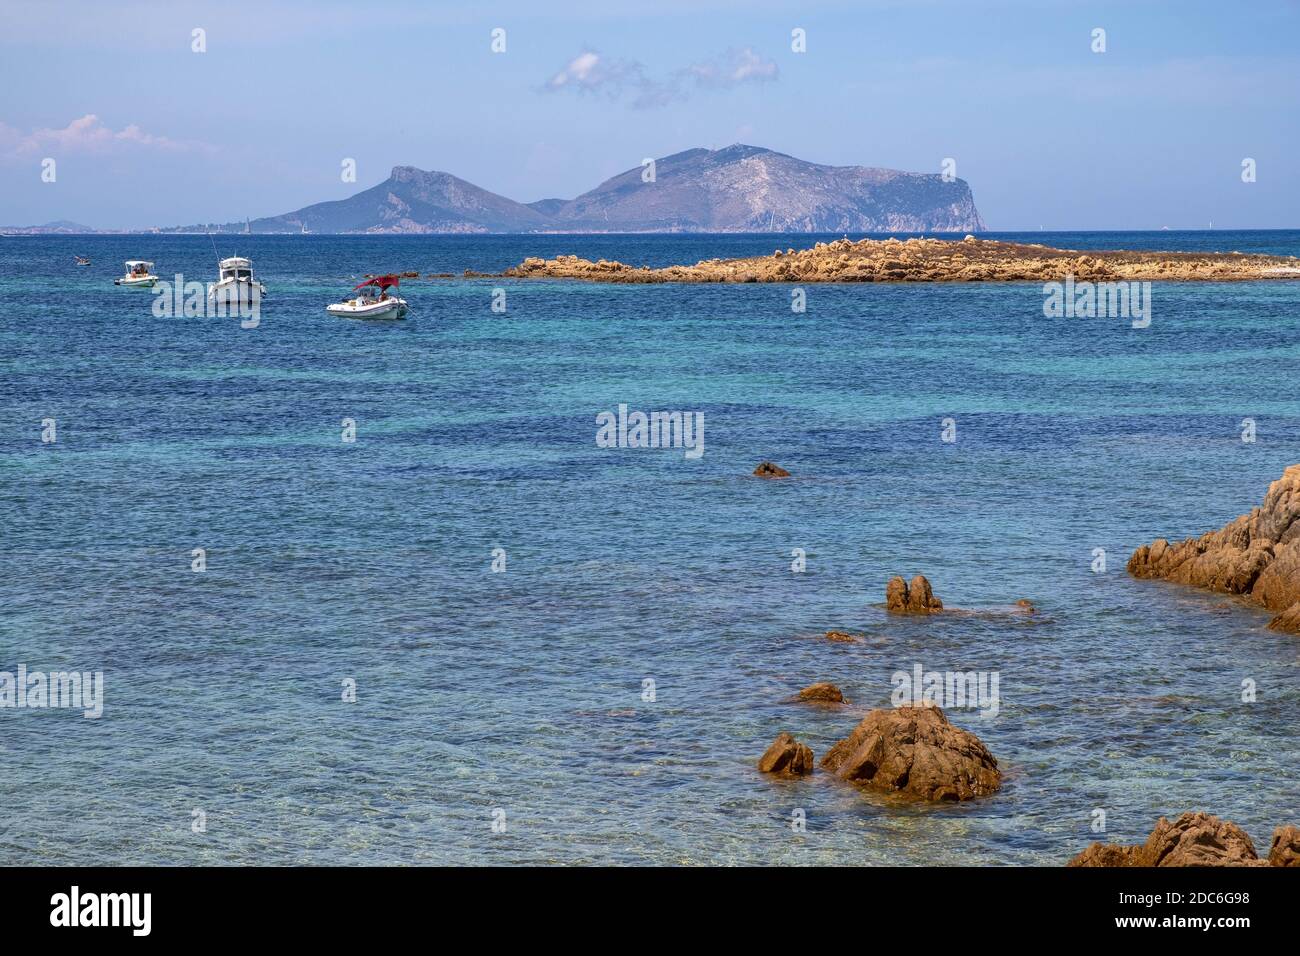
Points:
[(522, 691)]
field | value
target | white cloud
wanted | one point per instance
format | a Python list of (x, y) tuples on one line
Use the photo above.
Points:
[(732, 69), (582, 70), (592, 72), (88, 134)]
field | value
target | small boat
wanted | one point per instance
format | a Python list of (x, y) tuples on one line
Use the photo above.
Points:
[(235, 282), (139, 274), (372, 301), (81, 260)]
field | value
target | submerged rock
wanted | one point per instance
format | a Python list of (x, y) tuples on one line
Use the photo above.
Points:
[(1256, 556), (915, 751), (767, 469), (1194, 839), (787, 756), (914, 598), (822, 693), (842, 637)]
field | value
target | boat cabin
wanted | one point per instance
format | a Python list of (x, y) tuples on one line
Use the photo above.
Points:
[(236, 268)]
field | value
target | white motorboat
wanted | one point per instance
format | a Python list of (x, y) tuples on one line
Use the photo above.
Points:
[(139, 275), (236, 283), (372, 301)]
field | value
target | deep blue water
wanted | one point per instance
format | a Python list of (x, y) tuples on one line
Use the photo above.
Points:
[(521, 690)]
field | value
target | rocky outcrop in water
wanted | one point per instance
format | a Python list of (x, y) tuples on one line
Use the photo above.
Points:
[(916, 752), (767, 469), (915, 598), (928, 260), (842, 637), (1195, 839), (822, 692), (787, 756), (1256, 556)]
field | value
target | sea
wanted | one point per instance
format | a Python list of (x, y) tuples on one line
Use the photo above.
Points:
[(373, 593)]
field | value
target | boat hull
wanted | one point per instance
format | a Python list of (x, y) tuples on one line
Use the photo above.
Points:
[(147, 282), (390, 309), (236, 290)]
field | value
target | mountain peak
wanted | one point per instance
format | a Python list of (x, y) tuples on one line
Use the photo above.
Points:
[(741, 151), (406, 174)]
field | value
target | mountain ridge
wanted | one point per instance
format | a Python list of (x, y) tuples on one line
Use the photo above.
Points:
[(738, 188)]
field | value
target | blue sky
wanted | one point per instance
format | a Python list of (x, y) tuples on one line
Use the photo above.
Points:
[(1150, 133)]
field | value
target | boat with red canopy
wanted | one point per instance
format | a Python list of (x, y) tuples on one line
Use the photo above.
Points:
[(372, 299)]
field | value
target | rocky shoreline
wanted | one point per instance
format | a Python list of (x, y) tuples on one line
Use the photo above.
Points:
[(1255, 556), (1195, 839), (914, 751), (928, 260)]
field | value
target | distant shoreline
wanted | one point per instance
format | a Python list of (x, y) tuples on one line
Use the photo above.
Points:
[(37, 231)]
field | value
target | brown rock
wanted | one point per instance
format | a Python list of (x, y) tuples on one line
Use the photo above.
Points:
[(786, 756), (842, 637), (1026, 606), (1288, 621), (822, 693), (920, 597), (1109, 854), (928, 260), (896, 595), (914, 598), (1285, 850), (917, 752), (1257, 555), (1199, 839), (767, 469), (1194, 839)]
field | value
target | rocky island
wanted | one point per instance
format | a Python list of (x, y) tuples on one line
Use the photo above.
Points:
[(928, 260)]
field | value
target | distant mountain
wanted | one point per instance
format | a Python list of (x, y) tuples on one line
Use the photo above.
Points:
[(737, 189), (749, 189), (409, 201)]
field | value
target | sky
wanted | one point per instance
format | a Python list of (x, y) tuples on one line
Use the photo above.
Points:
[(144, 130)]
